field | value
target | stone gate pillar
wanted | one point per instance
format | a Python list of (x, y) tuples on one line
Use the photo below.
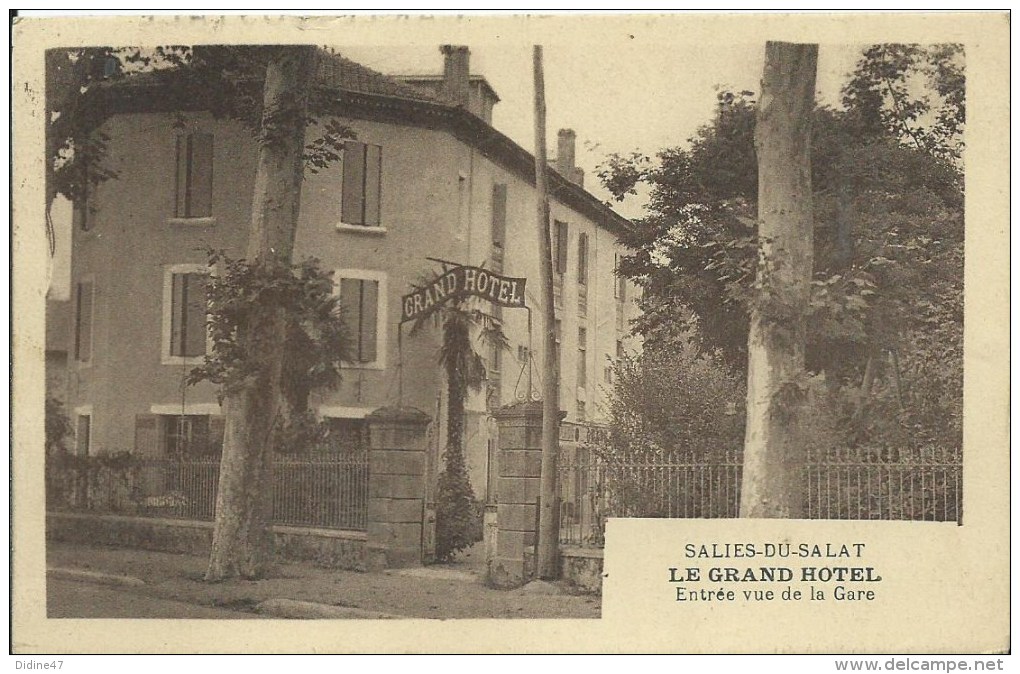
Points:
[(396, 486), (520, 470)]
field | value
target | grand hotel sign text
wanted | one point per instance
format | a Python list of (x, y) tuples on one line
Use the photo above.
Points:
[(460, 282)]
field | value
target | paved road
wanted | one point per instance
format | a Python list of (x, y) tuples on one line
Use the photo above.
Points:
[(72, 599)]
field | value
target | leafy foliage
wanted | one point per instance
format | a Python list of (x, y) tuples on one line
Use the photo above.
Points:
[(58, 425), (317, 337), (679, 400), (887, 291)]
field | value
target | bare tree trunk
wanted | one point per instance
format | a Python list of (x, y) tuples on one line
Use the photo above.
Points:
[(548, 519), (257, 411), (772, 483)]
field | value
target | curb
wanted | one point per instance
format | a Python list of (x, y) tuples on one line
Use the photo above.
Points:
[(292, 608), (82, 575)]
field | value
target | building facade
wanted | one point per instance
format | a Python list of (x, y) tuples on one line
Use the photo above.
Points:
[(426, 177)]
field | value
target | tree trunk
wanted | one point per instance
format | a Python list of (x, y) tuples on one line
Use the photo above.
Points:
[(548, 519), (257, 411), (772, 483)]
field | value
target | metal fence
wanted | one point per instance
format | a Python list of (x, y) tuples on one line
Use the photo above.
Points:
[(322, 489), (839, 484)]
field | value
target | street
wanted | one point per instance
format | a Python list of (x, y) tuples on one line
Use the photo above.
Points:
[(71, 599)]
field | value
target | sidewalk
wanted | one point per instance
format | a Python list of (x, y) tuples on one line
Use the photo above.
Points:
[(440, 591)]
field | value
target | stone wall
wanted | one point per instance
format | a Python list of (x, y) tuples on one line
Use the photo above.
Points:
[(331, 549)]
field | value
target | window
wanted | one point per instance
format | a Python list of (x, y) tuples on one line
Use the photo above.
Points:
[(83, 322), (362, 184), (495, 348), (582, 357), (359, 301), (619, 349), (194, 175), (498, 214), (188, 309), (192, 435), (607, 374), (560, 246), (83, 434), (582, 259)]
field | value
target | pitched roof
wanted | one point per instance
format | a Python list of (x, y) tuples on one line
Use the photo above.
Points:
[(337, 72)]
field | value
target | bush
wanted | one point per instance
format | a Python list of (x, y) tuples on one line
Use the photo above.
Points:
[(458, 514)]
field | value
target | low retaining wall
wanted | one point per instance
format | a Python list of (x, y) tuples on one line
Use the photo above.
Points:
[(331, 549), (582, 567)]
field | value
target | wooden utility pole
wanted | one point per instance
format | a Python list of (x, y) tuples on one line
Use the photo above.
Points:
[(774, 452), (548, 519)]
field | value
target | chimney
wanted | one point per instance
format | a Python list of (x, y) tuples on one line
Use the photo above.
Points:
[(456, 73), (566, 156)]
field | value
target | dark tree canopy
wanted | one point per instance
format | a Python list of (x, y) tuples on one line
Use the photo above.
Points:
[(888, 214), (887, 288)]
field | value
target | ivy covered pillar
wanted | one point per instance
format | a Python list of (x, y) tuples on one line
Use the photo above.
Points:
[(520, 469), (396, 486)]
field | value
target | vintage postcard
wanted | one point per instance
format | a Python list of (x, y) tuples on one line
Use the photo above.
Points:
[(676, 333)]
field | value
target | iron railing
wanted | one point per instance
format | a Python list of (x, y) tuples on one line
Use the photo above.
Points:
[(839, 484), (321, 489)]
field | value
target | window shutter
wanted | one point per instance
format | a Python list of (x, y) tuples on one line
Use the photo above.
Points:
[(499, 214), (195, 309), (182, 176), (200, 203), (561, 247), (353, 192), (582, 259), (177, 314), (373, 185), (83, 323), (350, 309), (147, 435), (82, 435), (369, 320)]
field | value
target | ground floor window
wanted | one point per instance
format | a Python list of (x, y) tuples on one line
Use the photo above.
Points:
[(191, 435), (83, 434)]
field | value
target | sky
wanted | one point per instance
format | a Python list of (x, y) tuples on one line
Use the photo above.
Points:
[(617, 100), (640, 97)]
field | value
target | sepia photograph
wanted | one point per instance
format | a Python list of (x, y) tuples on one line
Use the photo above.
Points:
[(403, 319)]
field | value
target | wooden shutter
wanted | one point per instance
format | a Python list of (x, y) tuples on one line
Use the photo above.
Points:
[(561, 247), (193, 338), (194, 175), (353, 191), (350, 309), (83, 323), (182, 176), (83, 434), (582, 259), (200, 203), (499, 214), (177, 322), (148, 438), (373, 185), (369, 321)]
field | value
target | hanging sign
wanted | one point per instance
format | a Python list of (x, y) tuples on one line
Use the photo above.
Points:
[(460, 282)]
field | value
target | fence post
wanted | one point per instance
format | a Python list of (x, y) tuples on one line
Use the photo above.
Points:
[(520, 469), (396, 486)]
